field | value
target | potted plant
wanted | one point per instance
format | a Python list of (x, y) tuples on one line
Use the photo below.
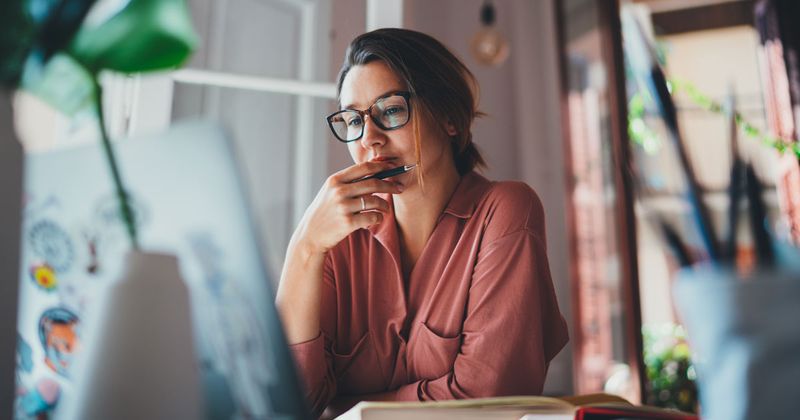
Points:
[(128, 37)]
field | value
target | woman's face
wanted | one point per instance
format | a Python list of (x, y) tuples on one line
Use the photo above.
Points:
[(362, 86)]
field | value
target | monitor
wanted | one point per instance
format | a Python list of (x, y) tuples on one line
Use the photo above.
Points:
[(188, 200)]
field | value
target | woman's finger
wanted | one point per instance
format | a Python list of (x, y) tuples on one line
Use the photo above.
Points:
[(366, 219), (367, 203), (360, 170), (371, 186)]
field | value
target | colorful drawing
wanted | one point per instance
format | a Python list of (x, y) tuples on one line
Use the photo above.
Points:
[(51, 243), (108, 213), (24, 355), (32, 205), (59, 334), (93, 266), (40, 399), (238, 356), (44, 276)]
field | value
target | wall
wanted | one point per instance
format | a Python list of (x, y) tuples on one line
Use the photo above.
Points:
[(733, 65), (348, 20), (273, 39)]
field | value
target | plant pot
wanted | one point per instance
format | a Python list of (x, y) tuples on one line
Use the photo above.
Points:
[(139, 360), (745, 336)]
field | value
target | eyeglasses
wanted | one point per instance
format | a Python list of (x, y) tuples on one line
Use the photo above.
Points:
[(389, 112)]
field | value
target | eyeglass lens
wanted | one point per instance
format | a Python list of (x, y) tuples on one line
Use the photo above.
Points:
[(387, 113)]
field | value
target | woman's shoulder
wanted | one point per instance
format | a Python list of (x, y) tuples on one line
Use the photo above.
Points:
[(511, 206), (513, 196), (512, 193)]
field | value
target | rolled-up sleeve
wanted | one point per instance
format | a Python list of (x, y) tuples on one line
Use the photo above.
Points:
[(313, 358), (513, 326)]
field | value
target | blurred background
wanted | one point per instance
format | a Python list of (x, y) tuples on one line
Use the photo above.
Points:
[(564, 115)]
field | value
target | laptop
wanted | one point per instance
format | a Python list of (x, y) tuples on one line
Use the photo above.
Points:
[(189, 201)]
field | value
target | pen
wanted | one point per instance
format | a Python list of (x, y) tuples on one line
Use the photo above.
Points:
[(734, 193), (694, 191), (387, 173), (675, 244), (646, 68), (758, 219), (734, 190)]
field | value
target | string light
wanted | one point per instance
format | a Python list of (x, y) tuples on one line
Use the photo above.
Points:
[(641, 134)]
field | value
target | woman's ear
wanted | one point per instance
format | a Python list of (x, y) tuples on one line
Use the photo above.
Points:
[(450, 129)]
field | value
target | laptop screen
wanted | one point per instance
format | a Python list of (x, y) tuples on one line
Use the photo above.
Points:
[(188, 201)]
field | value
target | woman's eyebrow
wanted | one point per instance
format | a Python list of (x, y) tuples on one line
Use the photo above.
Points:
[(382, 95)]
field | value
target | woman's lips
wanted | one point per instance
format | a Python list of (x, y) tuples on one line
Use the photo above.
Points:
[(382, 159)]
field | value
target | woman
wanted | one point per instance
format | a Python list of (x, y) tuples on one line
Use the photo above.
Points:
[(428, 285)]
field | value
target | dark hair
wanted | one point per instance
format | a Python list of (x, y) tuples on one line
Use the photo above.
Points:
[(440, 84)]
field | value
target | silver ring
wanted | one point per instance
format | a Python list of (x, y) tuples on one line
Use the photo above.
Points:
[(363, 204)]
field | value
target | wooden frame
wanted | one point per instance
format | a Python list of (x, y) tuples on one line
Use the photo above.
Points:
[(611, 30), (780, 45), (609, 27), (712, 16)]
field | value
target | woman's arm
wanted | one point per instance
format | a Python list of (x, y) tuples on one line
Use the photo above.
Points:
[(299, 293), (513, 327), (338, 209), (512, 330)]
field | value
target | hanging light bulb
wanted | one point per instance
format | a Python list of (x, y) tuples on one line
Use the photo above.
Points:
[(489, 46)]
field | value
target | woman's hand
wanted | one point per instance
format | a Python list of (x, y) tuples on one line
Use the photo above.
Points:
[(335, 212), (342, 206)]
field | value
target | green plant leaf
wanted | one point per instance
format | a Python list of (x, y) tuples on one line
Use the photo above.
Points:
[(35, 30), (16, 39), (57, 20), (142, 35), (62, 83)]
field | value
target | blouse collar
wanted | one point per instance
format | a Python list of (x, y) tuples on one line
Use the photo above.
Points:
[(462, 204)]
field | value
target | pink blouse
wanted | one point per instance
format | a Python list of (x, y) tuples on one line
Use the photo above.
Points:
[(477, 316)]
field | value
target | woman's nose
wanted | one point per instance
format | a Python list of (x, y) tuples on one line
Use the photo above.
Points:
[(373, 135)]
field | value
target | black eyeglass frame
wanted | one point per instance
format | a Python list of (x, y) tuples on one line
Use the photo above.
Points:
[(368, 113)]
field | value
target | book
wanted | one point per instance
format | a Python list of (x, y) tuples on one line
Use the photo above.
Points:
[(584, 407)]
